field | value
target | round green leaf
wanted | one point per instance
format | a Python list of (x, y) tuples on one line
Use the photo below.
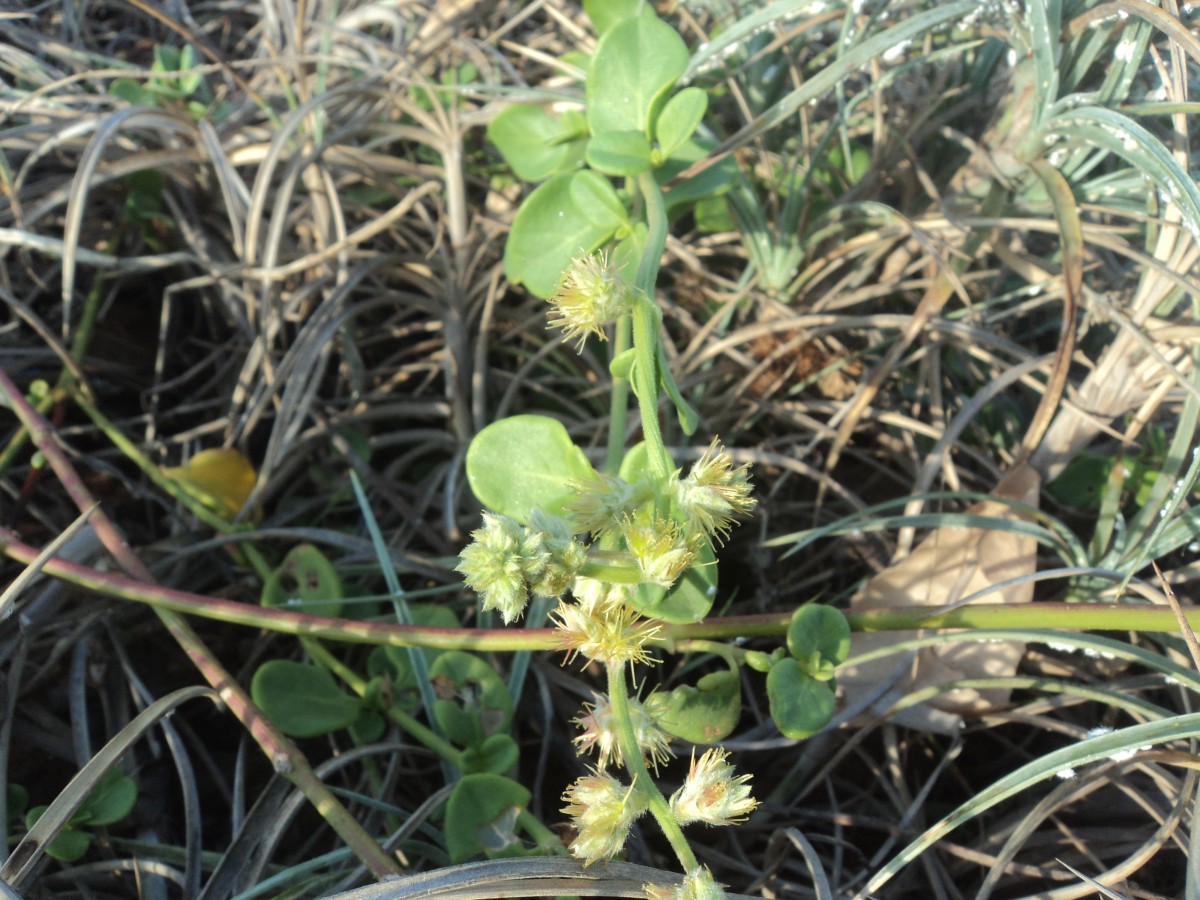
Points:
[(69, 845), (619, 153), (635, 64), (110, 801), (702, 714), (533, 142), (305, 582), (481, 816), (497, 754), (595, 197), (473, 701), (800, 705), (680, 118), (523, 463), (818, 633), (300, 699), (550, 229), (607, 13)]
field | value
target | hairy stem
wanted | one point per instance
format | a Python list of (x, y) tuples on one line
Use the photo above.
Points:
[(631, 754), (647, 327)]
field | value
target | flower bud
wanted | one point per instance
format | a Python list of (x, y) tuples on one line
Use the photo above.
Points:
[(602, 502), (610, 634), (493, 564), (602, 810), (712, 793), (660, 549), (563, 556), (600, 731), (590, 294), (713, 492)]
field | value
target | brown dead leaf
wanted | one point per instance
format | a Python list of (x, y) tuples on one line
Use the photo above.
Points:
[(950, 564)]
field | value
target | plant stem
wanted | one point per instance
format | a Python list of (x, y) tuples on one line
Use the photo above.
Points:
[(356, 683), (631, 754), (978, 616), (646, 329), (619, 404), (283, 754)]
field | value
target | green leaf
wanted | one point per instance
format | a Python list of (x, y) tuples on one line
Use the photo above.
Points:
[(619, 153), (713, 181), (481, 816), (621, 366), (627, 255), (679, 119), (688, 600), (131, 92), (635, 64), (473, 700), (607, 13), (497, 753), (305, 582), (301, 700), (800, 705), (368, 727), (16, 798), (635, 463), (110, 801), (523, 463), (69, 845), (393, 663), (551, 228), (594, 196), (534, 143), (712, 215), (818, 634), (702, 714), (689, 419)]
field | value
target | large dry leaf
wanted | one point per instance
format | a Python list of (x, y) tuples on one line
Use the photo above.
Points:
[(950, 564)]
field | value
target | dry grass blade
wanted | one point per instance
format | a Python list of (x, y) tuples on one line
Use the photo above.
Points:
[(493, 879), (27, 853)]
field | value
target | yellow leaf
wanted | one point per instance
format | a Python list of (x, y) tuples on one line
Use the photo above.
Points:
[(222, 479)]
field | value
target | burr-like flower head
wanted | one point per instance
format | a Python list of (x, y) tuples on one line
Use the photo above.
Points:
[(599, 732), (602, 811), (714, 491), (712, 793), (590, 295)]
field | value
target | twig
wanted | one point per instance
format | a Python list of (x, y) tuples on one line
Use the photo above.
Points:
[(284, 755)]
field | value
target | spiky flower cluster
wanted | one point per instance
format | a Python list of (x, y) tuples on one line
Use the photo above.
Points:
[(599, 732), (713, 492), (712, 793), (590, 294), (602, 811), (506, 561), (643, 534), (660, 548), (603, 501), (602, 626)]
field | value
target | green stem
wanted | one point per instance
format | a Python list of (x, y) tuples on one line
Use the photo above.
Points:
[(619, 405), (635, 764), (978, 616), (647, 327), (284, 755), (356, 683)]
